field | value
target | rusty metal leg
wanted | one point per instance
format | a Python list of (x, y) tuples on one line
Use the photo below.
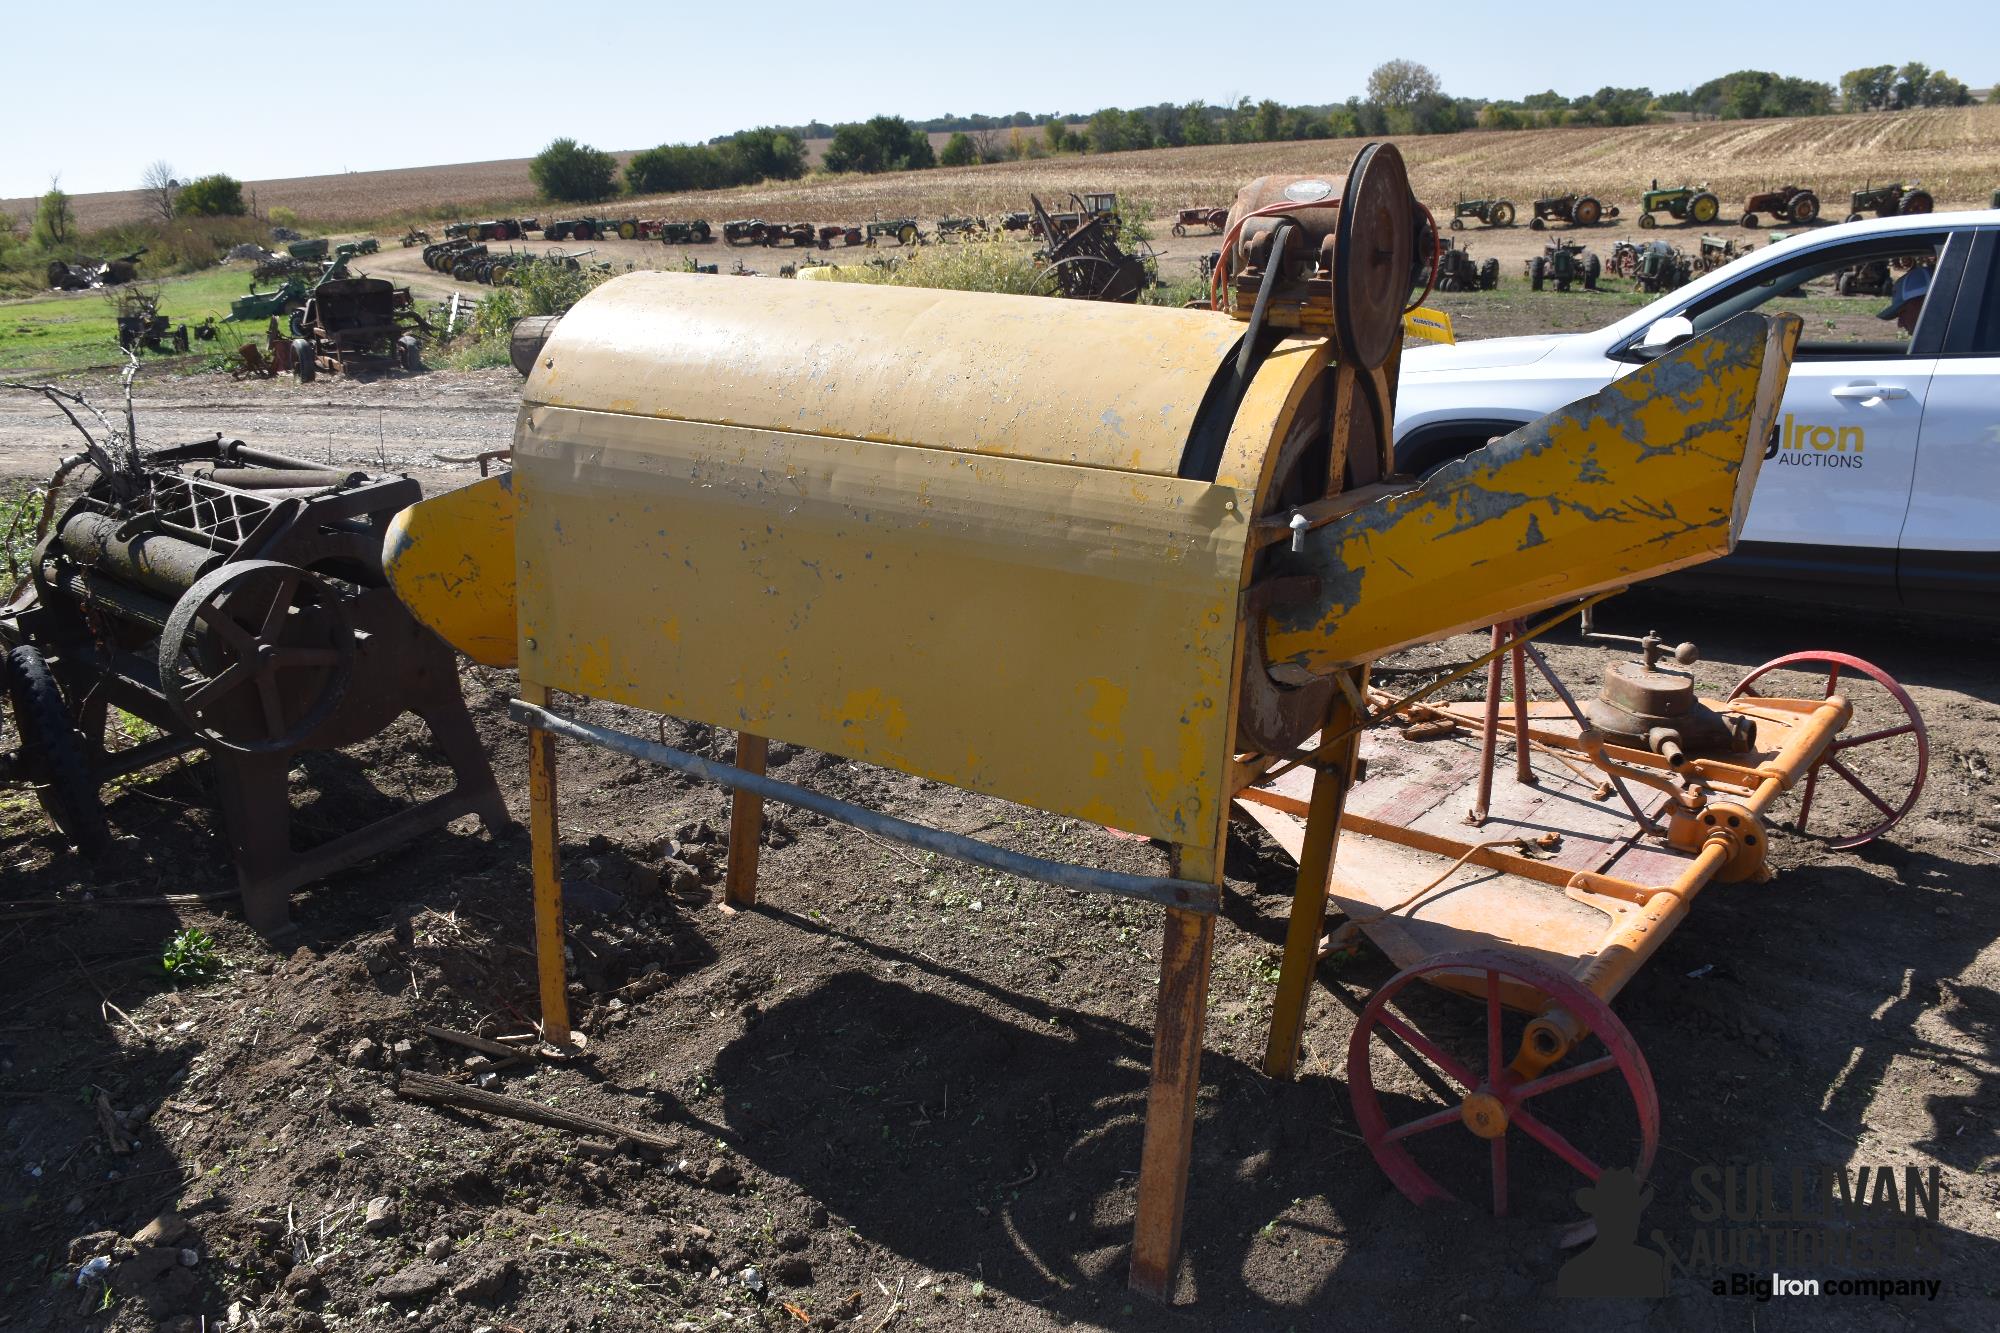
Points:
[(1490, 738), (255, 798), (451, 726), (545, 855), (1524, 771), (1185, 954), (1333, 776), (746, 822)]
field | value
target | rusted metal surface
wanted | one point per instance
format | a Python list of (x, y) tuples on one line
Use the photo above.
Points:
[(187, 601), (1085, 260)]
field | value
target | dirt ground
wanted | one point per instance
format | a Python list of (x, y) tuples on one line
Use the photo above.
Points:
[(901, 1093)]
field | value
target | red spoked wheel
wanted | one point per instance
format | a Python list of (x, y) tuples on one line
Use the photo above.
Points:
[(1888, 750), (1490, 1100)]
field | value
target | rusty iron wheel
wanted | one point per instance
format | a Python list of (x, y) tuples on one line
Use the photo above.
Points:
[(1491, 1103), (1903, 718), (262, 630)]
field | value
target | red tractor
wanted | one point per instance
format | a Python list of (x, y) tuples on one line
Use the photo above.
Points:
[(1787, 203)]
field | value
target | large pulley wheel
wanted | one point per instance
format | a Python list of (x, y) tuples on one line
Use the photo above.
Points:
[(1373, 244), (256, 656), (54, 756), (1880, 762), (1471, 1091)]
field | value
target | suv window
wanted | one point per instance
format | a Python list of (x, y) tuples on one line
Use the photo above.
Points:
[(1975, 324), (1841, 294)]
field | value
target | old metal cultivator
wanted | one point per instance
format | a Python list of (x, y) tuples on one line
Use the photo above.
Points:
[(235, 600)]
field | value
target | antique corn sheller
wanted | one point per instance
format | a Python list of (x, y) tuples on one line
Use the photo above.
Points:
[(1076, 555), (234, 599)]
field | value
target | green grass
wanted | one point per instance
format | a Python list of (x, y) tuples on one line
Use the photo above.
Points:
[(79, 331), (20, 511)]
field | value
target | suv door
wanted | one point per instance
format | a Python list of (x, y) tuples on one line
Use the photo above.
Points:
[(1830, 501), (1949, 553)]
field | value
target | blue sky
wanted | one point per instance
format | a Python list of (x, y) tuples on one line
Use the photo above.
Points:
[(240, 88)]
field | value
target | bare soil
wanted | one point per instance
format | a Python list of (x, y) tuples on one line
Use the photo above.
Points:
[(905, 1093)]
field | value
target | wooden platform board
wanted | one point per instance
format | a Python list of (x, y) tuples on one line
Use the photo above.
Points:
[(1429, 787)]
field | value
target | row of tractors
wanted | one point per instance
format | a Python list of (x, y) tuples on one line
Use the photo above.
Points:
[(1696, 205), (475, 261), (904, 231)]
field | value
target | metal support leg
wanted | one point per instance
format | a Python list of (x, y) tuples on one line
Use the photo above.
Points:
[(1524, 771), (254, 795), (1489, 739), (746, 821), (1185, 955), (545, 855), (1333, 776)]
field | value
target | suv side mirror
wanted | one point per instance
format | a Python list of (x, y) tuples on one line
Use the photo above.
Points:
[(1664, 333)]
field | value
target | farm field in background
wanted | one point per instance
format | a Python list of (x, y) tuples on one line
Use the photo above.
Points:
[(1954, 153)]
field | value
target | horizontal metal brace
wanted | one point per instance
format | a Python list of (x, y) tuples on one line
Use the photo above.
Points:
[(1186, 895)]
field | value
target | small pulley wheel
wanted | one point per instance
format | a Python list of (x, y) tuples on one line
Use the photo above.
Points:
[(1372, 256), (256, 656)]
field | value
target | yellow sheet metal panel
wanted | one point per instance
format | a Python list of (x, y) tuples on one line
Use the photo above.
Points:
[(1652, 474), (451, 561), (1059, 636), (1102, 385)]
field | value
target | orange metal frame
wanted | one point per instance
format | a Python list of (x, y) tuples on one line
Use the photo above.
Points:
[(1712, 807)]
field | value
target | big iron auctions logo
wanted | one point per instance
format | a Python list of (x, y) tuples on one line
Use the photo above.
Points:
[(1796, 443), (1764, 1233)]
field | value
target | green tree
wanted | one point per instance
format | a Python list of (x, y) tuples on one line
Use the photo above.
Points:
[(54, 221), (1270, 121), (1197, 125), (570, 172), (1402, 83), (885, 143), (958, 151), (1057, 135), (1908, 89), (672, 168), (216, 196), (1867, 89), (1116, 131), (1940, 89), (1240, 122), (764, 154)]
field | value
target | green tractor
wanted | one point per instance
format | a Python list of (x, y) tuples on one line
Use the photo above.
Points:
[(1488, 212), (1660, 267), (1888, 201), (904, 230), (263, 305), (1683, 203), (1457, 272), (1563, 263)]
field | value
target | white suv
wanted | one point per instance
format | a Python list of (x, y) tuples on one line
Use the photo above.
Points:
[(1881, 485)]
